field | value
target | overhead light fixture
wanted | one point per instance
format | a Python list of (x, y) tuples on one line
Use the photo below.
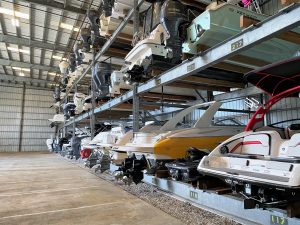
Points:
[(21, 69), (52, 73), (21, 74), (58, 57), (18, 50), (14, 13), (69, 27), (15, 22)]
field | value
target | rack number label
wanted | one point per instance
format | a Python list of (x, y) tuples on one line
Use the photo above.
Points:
[(278, 220), (237, 44), (191, 67), (193, 195)]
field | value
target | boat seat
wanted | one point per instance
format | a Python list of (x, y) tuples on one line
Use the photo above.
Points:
[(280, 131), (294, 146), (253, 144), (291, 130)]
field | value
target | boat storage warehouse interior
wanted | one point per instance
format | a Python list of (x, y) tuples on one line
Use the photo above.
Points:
[(150, 112)]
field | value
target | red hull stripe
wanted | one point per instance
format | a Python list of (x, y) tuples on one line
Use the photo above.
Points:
[(245, 143)]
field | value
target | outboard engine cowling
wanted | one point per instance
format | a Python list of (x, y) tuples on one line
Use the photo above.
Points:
[(69, 110), (107, 7), (174, 19), (94, 19), (101, 78), (78, 55), (72, 62), (64, 81), (76, 147), (56, 94), (63, 67), (85, 35)]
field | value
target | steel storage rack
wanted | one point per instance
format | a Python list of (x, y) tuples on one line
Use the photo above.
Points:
[(287, 19)]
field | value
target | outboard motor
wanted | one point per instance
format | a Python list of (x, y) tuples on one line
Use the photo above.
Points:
[(69, 110), (131, 169), (78, 55), (152, 17), (94, 19), (63, 67), (64, 81), (72, 62), (107, 7), (85, 35), (101, 78), (60, 143), (76, 146), (174, 19), (56, 94)]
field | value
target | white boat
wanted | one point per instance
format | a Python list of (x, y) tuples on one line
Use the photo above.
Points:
[(263, 162), (170, 142)]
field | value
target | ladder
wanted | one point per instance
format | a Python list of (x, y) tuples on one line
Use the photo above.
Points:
[(255, 4)]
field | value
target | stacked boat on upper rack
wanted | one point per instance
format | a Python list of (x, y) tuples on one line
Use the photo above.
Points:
[(263, 163), (170, 34)]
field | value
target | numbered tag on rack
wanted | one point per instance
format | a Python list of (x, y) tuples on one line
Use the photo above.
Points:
[(278, 220), (193, 195), (237, 44)]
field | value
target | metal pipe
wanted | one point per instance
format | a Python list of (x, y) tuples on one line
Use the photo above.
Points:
[(22, 117), (135, 109)]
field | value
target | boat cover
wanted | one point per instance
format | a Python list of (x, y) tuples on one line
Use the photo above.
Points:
[(277, 77)]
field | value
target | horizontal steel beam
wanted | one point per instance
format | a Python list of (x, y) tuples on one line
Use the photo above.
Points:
[(250, 91), (14, 63), (218, 203), (19, 79), (58, 5), (285, 20), (10, 39)]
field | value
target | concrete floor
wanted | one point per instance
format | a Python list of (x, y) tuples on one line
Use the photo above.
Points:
[(39, 188)]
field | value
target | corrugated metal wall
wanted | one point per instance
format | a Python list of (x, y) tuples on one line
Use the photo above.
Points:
[(10, 118), (286, 109), (271, 7), (24, 115)]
